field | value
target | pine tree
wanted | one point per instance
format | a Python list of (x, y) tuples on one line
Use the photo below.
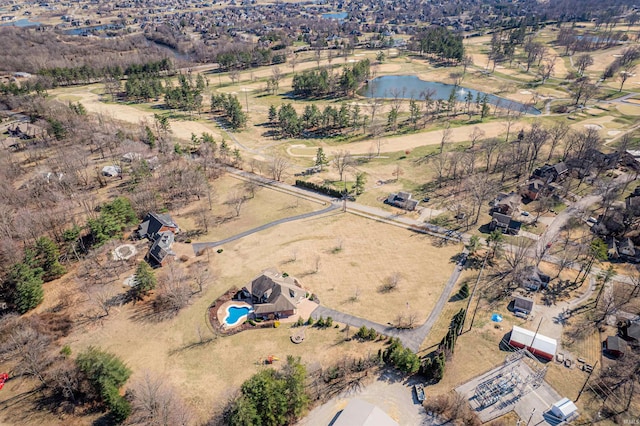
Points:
[(321, 158), (273, 114), (26, 280), (46, 256), (144, 280)]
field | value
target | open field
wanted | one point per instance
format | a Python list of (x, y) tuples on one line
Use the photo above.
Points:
[(370, 252)]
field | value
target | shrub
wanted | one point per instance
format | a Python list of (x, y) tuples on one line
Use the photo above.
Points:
[(464, 291), (252, 322), (324, 189), (219, 251), (300, 322), (329, 322), (320, 323), (310, 321)]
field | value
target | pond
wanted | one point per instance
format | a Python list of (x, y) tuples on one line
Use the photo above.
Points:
[(338, 16), (21, 23), (409, 86), (84, 31)]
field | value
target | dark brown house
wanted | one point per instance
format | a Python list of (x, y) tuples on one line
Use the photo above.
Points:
[(614, 346)]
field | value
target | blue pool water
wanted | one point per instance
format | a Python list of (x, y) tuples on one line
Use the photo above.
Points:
[(236, 314)]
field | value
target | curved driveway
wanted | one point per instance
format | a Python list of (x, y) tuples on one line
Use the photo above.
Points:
[(198, 247)]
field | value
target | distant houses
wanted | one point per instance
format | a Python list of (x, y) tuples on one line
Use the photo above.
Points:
[(402, 200), (160, 229)]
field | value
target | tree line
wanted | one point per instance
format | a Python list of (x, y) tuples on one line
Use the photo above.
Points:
[(86, 74), (321, 83), (438, 42)]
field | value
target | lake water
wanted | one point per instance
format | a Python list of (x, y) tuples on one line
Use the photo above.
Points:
[(90, 30), (21, 23), (338, 16), (412, 87)]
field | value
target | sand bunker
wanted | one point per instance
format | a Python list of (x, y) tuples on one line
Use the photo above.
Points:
[(593, 126), (613, 132), (525, 92)]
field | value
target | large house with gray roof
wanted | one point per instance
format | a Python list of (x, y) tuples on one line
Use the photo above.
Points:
[(160, 229), (274, 295)]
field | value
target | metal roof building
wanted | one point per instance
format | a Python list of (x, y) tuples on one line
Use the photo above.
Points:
[(541, 346)]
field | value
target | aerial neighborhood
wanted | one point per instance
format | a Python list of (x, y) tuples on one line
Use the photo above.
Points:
[(266, 213)]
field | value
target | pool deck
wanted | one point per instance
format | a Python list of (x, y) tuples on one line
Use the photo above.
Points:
[(222, 312)]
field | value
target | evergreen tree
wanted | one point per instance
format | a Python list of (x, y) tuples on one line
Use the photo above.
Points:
[(273, 114), (26, 282), (46, 256), (361, 180), (144, 280), (321, 158), (106, 373)]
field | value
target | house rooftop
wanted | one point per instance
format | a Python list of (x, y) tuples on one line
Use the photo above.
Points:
[(523, 303), (615, 343), (362, 413)]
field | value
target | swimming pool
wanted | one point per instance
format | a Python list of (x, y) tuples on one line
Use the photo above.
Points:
[(236, 314)]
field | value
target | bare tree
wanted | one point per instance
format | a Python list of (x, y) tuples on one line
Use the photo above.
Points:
[(173, 291), (342, 160), (236, 200), (156, 403), (391, 282), (447, 132), (476, 134), (278, 167), (624, 75), (583, 62)]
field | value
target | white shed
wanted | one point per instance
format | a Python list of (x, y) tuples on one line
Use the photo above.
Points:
[(537, 344), (564, 409)]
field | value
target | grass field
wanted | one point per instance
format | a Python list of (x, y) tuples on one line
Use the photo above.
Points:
[(369, 252)]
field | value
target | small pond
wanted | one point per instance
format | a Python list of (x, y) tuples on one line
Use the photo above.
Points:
[(339, 16), (91, 30), (410, 86), (21, 23)]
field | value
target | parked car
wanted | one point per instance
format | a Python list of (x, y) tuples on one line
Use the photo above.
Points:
[(419, 389)]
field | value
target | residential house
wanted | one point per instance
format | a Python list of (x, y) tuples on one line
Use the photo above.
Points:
[(507, 204), (160, 229), (523, 305), (160, 252), (402, 200), (630, 331), (154, 223), (362, 413), (631, 159), (534, 279), (614, 346), (632, 203), (627, 248), (614, 223), (533, 189), (504, 223), (549, 173), (274, 295)]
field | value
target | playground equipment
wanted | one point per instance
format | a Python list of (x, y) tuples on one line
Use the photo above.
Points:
[(270, 359), (3, 378)]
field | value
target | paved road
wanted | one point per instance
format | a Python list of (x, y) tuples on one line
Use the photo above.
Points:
[(411, 339), (198, 247)]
